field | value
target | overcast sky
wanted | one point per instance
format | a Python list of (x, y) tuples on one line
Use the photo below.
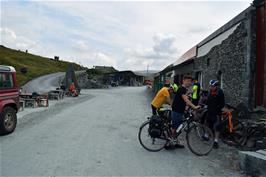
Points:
[(126, 35)]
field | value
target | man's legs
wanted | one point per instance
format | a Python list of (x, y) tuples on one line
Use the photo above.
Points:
[(176, 122), (217, 129), (214, 124)]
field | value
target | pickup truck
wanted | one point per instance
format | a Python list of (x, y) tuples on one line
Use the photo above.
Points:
[(9, 99)]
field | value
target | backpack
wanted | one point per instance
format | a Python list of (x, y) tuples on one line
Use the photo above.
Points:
[(156, 126)]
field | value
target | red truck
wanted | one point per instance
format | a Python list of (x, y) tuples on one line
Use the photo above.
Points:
[(9, 99)]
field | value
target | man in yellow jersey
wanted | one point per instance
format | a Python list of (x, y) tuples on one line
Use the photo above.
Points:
[(163, 97)]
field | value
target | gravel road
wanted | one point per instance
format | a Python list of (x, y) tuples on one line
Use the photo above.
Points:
[(44, 83), (96, 135)]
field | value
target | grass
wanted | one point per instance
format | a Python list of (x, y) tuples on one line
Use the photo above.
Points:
[(36, 65)]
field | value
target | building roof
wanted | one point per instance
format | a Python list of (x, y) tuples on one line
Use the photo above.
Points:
[(192, 53), (123, 72), (227, 26), (105, 69)]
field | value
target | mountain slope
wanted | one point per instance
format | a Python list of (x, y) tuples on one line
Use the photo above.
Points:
[(36, 65)]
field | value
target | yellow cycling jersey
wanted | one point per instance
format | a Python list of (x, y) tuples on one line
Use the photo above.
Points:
[(161, 97)]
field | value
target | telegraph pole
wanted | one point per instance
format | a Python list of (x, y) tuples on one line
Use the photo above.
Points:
[(147, 70)]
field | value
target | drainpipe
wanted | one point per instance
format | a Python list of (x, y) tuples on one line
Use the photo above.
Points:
[(251, 48)]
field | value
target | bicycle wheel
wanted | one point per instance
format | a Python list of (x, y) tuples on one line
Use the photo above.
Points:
[(239, 135), (149, 143), (237, 138), (200, 139)]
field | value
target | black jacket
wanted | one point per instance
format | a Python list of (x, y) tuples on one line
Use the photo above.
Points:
[(216, 103)]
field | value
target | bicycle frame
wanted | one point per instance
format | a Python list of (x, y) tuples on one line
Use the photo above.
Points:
[(186, 123), (228, 117)]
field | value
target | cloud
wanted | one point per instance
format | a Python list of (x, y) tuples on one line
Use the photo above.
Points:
[(10, 38), (160, 54), (99, 59), (130, 35), (81, 45), (8, 33), (164, 46)]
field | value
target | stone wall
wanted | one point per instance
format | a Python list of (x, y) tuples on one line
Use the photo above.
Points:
[(228, 62), (182, 71)]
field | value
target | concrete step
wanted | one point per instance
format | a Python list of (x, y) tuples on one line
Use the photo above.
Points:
[(261, 144), (253, 163)]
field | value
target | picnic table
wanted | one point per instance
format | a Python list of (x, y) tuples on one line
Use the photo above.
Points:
[(25, 95), (30, 100), (56, 94)]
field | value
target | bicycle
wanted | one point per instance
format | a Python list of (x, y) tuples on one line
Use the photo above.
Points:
[(233, 131), (195, 134)]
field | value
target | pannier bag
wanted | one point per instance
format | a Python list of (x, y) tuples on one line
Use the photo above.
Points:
[(156, 126)]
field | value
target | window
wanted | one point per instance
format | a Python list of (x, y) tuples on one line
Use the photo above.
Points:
[(6, 80), (220, 78), (199, 77), (208, 61)]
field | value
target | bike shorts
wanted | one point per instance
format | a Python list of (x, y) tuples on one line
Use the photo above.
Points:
[(176, 119), (214, 122)]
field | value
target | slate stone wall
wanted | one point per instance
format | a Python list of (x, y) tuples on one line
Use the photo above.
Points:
[(228, 62)]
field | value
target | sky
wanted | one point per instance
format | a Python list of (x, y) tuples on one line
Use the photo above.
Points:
[(129, 35)]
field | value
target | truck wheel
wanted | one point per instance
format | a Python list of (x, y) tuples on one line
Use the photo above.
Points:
[(8, 120)]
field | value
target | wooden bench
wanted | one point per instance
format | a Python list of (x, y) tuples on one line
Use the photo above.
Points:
[(29, 102), (42, 100), (21, 104), (53, 96)]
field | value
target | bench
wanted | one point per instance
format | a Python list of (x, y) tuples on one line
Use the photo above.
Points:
[(21, 104), (53, 96), (42, 101), (29, 102)]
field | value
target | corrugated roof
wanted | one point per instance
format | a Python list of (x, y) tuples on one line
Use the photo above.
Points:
[(187, 56)]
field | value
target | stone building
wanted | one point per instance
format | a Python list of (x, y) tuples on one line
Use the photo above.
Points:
[(124, 78), (235, 55)]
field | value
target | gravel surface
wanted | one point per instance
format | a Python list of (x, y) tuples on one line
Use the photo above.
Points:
[(44, 83), (96, 135)]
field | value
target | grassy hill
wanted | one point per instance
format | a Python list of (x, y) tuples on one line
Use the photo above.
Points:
[(36, 65)]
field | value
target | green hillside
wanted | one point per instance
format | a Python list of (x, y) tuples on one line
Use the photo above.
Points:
[(36, 65)]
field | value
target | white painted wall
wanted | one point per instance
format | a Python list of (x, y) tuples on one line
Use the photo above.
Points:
[(205, 49)]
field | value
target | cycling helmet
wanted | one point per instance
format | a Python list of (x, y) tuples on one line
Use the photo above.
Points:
[(174, 87), (214, 83)]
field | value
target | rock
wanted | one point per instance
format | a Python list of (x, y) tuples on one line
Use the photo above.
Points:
[(253, 163)]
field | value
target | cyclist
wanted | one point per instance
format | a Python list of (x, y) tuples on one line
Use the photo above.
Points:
[(215, 104), (196, 92), (178, 107), (163, 97)]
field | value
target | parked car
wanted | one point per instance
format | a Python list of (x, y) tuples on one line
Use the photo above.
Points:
[(9, 99)]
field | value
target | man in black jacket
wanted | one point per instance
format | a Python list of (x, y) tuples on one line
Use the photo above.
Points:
[(215, 104)]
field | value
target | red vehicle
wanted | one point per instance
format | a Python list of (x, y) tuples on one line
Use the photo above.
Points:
[(9, 99)]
